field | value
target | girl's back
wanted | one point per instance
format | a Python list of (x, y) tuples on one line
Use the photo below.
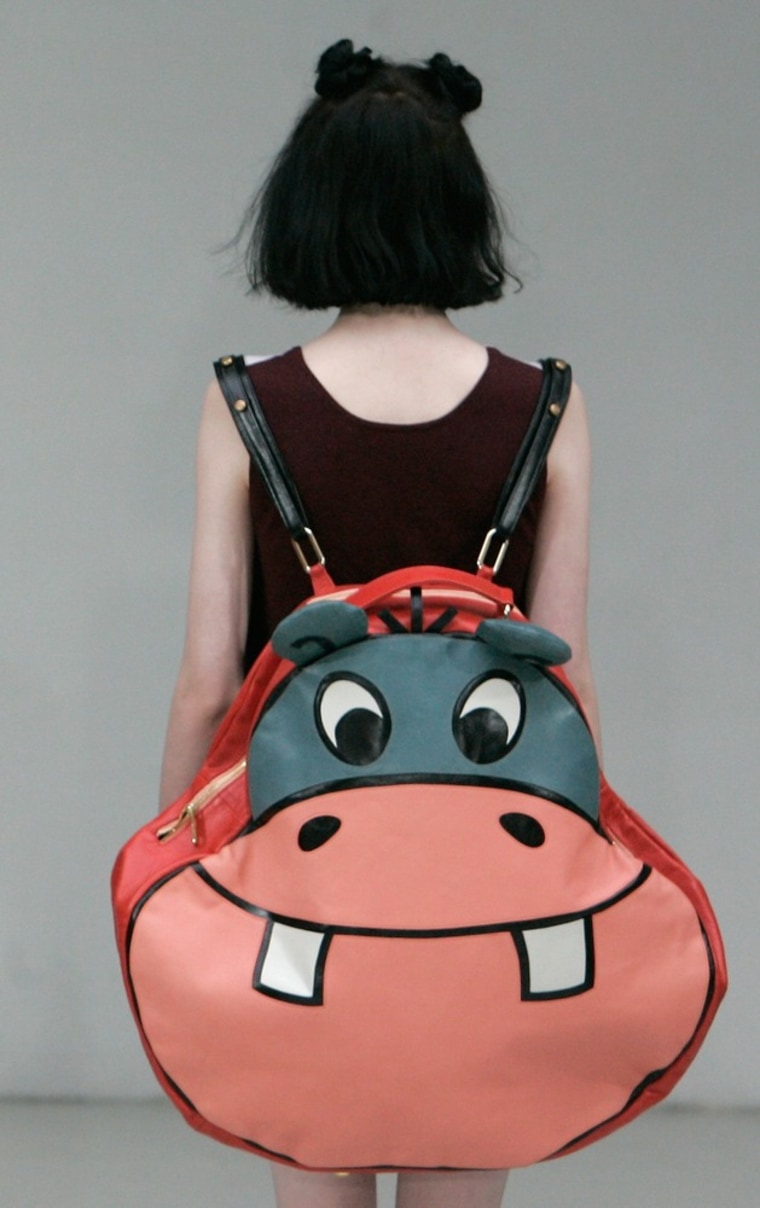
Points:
[(381, 367)]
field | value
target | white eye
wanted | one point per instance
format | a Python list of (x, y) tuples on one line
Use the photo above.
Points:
[(341, 697), (488, 717), (353, 719)]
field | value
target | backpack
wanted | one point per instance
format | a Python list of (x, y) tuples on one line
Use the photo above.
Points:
[(400, 920)]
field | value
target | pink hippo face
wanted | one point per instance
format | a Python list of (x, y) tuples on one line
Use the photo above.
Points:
[(424, 950)]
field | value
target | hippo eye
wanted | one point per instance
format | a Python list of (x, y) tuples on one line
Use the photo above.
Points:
[(352, 718), (488, 717)]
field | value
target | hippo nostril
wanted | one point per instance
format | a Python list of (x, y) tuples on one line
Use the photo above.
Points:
[(523, 828), (317, 831)]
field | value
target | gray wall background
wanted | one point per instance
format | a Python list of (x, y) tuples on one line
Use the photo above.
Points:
[(624, 139)]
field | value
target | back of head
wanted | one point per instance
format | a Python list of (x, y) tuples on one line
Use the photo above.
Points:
[(378, 196)]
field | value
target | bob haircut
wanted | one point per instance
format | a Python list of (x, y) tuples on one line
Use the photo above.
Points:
[(378, 197)]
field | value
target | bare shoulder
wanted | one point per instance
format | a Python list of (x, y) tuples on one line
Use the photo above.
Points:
[(216, 414), (219, 442), (570, 453)]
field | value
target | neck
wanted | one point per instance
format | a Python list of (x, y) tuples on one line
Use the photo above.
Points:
[(377, 308), (382, 320)]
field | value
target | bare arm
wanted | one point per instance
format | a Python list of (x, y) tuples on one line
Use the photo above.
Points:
[(558, 581), (211, 669)]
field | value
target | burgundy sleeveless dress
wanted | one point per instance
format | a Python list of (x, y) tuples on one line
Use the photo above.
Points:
[(382, 496)]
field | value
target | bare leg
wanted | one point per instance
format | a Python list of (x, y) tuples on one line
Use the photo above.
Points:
[(311, 1189), (455, 1189)]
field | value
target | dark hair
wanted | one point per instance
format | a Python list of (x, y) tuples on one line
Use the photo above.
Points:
[(378, 195)]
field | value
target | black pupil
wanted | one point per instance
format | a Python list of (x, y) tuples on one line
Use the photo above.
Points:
[(523, 828), (481, 735), (360, 736)]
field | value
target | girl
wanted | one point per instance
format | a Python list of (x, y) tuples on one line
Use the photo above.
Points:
[(398, 429)]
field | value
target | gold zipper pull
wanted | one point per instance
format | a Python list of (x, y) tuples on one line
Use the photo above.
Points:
[(182, 819), (189, 813)]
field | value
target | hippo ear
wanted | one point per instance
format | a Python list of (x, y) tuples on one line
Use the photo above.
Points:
[(318, 629), (525, 641)]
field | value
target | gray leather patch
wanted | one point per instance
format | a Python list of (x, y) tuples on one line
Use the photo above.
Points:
[(317, 629), (422, 680)]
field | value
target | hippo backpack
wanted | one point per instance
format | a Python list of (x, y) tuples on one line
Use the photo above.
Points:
[(400, 920)]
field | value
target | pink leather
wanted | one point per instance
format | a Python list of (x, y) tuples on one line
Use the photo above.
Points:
[(416, 1035)]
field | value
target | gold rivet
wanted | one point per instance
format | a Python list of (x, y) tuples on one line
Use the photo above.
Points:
[(240, 404), (561, 364), (227, 360), (555, 409)]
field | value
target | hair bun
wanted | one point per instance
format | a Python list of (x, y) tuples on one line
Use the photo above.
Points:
[(463, 88), (342, 70)]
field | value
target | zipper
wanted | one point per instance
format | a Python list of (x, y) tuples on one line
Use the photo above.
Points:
[(188, 816)]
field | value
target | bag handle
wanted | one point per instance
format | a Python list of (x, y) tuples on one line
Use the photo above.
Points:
[(447, 578), (257, 436), (530, 461)]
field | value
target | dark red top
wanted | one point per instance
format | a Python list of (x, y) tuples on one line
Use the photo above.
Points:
[(383, 496)]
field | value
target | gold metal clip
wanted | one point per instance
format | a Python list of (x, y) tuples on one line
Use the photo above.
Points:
[(319, 558), (484, 552)]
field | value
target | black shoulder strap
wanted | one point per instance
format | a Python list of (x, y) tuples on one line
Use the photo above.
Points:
[(257, 436), (258, 439), (531, 458)]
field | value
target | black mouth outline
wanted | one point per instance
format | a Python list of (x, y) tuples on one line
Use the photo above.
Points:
[(329, 931)]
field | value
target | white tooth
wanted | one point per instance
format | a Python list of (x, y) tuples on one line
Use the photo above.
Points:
[(290, 962), (557, 959)]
